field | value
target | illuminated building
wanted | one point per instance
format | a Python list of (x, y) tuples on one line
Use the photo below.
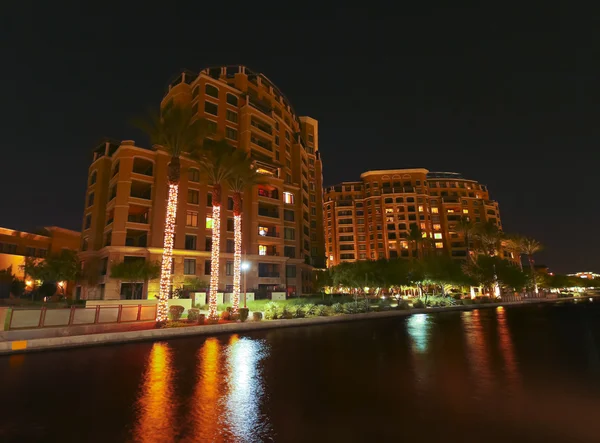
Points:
[(15, 246), (371, 218), (282, 222)]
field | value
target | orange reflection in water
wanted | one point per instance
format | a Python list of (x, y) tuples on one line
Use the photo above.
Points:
[(508, 352), (205, 407), (156, 403), (479, 360)]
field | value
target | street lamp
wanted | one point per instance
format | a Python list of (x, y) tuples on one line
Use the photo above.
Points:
[(244, 267)]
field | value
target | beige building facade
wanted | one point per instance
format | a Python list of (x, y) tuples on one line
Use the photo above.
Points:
[(371, 218), (282, 219)]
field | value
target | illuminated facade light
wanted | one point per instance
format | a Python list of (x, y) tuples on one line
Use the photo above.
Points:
[(214, 261), (167, 258), (237, 261)]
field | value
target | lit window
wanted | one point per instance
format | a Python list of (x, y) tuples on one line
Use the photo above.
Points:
[(191, 219), (422, 225), (465, 211), (424, 234), (434, 210), (420, 208), (288, 198), (437, 235), (439, 245), (437, 226), (263, 230), (450, 211), (389, 210), (209, 223), (262, 250)]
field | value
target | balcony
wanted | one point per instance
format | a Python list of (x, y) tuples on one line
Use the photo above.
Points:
[(267, 129), (266, 168), (138, 214), (268, 192), (270, 251), (264, 144), (268, 211), (260, 106), (141, 190), (143, 166), (136, 238), (268, 231)]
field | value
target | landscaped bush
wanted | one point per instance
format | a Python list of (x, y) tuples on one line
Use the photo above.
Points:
[(467, 301), (201, 319), (173, 324), (225, 315), (350, 308), (287, 312), (310, 310), (257, 316), (175, 312), (272, 311), (193, 314), (485, 299), (402, 305), (244, 314), (363, 306), (418, 304), (337, 308), (298, 311), (323, 311)]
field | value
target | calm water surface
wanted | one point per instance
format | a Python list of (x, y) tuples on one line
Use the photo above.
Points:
[(493, 375)]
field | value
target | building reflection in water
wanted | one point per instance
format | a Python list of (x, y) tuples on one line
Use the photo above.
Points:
[(513, 377), (156, 404), (478, 353)]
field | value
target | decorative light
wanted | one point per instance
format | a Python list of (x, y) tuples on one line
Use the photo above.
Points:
[(167, 257), (214, 262), (237, 261), (29, 283)]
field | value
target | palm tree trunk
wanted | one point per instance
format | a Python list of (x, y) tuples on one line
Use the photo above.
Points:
[(215, 252), (237, 255), (167, 257), (532, 267)]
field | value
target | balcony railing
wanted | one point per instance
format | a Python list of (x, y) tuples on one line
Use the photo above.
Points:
[(262, 127), (270, 233), (268, 194), (145, 194), (272, 274), (268, 213)]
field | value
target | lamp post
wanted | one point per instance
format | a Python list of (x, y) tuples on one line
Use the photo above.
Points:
[(245, 266)]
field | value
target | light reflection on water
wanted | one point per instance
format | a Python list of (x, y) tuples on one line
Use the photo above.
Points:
[(224, 404), (478, 353), (157, 402), (418, 327)]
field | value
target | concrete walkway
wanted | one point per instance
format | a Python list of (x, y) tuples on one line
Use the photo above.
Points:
[(39, 344)]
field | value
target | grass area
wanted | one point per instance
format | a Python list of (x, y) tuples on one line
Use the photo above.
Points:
[(259, 305)]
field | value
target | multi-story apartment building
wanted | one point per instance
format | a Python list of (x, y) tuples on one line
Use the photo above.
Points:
[(282, 219), (371, 218), (15, 246)]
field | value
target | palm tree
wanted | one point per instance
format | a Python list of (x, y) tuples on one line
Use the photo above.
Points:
[(243, 177), (489, 237), (219, 162), (530, 246), (176, 132), (513, 243), (466, 227), (415, 236)]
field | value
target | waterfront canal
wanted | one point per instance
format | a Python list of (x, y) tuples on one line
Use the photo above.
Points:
[(526, 374)]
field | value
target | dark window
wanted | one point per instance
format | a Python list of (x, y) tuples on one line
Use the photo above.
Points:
[(289, 251), (193, 175), (93, 178), (288, 215), (207, 267), (232, 99), (40, 252), (30, 251), (88, 221), (229, 203), (195, 109), (195, 91), (290, 271), (231, 133), (230, 245), (104, 266), (90, 201), (229, 268), (189, 266), (209, 199), (231, 116), (193, 196), (208, 244), (211, 90), (211, 108), (230, 226), (190, 242)]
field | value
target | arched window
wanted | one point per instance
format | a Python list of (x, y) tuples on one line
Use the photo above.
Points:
[(211, 90), (93, 177)]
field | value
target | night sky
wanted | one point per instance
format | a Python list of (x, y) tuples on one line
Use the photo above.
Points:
[(510, 98)]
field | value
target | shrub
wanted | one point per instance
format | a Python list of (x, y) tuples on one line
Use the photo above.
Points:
[(297, 311), (212, 321), (225, 315), (418, 304), (337, 308), (350, 308), (287, 312), (234, 316), (322, 310), (201, 319), (175, 312), (363, 306), (402, 305), (244, 314), (467, 301), (485, 299), (229, 309), (173, 324), (310, 309), (272, 311), (193, 314), (257, 316)]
